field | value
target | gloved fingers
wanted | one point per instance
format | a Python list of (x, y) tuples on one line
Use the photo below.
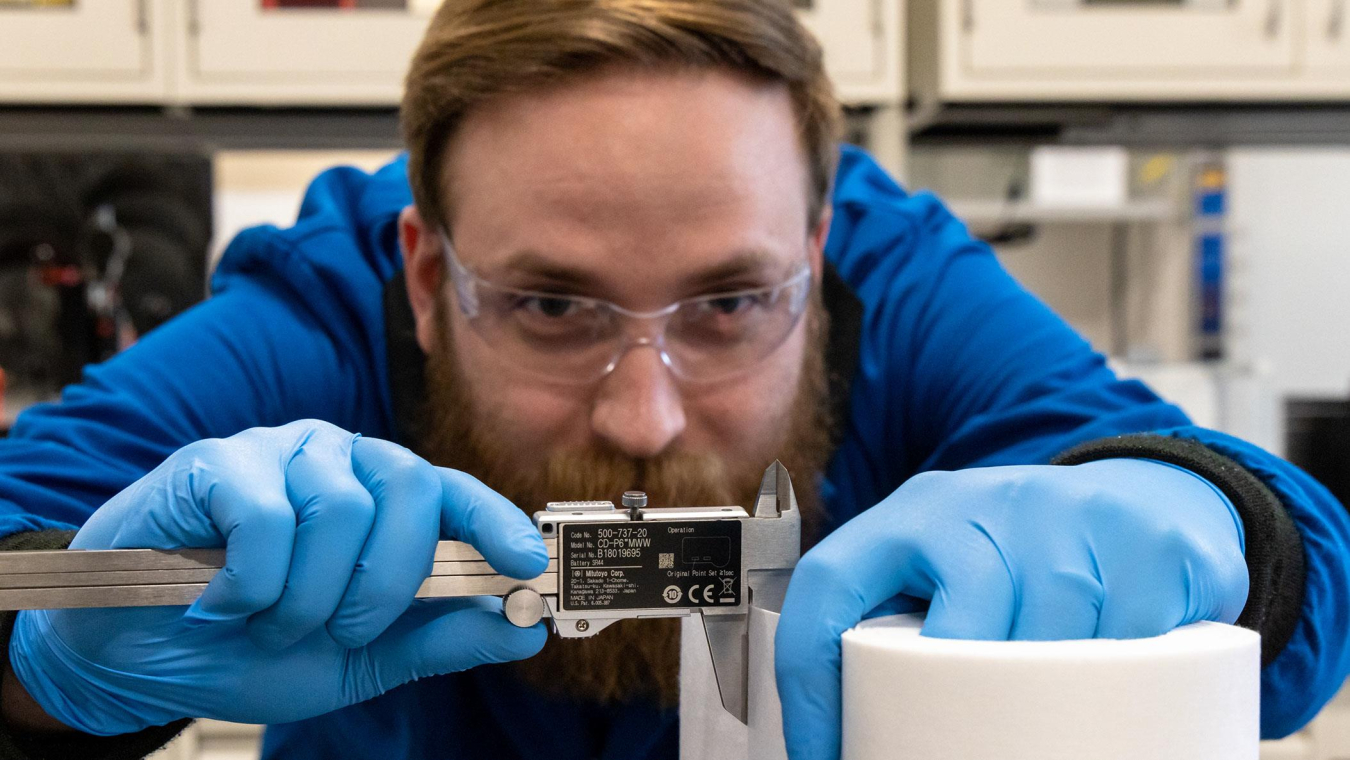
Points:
[(162, 510), (437, 636), (1214, 583), (402, 544), (1169, 579), (807, 657), (975, 588), (1177, 542), (334, 513), (808, 661), (176, 505), (1058, 605), (257, 523), (472, 512), (1141, 604), (833, 586), (1226, 592)]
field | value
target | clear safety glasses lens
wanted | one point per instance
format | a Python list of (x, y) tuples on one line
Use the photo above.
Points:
[(572, 339)]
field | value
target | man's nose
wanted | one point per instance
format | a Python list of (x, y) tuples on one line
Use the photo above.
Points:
[(638, 408)]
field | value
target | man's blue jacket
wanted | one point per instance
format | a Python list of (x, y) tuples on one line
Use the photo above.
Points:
[(956, 366)]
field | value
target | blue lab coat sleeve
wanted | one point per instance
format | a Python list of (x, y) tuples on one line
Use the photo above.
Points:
[(961, 367)]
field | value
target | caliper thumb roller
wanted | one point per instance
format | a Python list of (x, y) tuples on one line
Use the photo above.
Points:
[(606, 563)]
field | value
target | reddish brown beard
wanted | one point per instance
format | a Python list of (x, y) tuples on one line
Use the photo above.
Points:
[(634, 658)]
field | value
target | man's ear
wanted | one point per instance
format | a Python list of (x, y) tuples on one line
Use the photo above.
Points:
[(424, 268), (818, 238)]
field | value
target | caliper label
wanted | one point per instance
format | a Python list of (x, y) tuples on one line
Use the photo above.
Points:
[(639, 565)]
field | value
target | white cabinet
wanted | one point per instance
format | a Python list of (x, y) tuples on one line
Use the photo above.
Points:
[(1129, 50), (1326, 26), (863, 43), (1044, 39), (240, 52), (267, 52), (91, 51)]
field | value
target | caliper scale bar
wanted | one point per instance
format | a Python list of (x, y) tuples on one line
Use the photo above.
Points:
[(149, 577)]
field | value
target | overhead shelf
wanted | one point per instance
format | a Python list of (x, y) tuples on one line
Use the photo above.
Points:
[(980, 211)]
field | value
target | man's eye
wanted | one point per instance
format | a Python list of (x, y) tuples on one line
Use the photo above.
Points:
[(729, 305), (549, 307)]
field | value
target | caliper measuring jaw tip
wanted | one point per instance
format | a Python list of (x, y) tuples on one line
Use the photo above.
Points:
[(640, 562)]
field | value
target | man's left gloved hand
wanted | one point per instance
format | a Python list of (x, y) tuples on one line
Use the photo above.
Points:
[(1118, 548)]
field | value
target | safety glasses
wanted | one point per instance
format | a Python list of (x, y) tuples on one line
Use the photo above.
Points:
[(578, 340)]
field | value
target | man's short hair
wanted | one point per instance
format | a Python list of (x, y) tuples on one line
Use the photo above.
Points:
[(475, 50)]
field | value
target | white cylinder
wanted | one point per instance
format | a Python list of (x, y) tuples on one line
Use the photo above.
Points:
[(1192, 694)]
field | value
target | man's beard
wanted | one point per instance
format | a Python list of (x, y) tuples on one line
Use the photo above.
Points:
[(633, 658)]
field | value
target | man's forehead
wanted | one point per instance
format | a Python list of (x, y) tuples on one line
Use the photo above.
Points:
[(628, 171), (632, 117)]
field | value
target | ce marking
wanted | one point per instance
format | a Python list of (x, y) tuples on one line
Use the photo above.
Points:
[(707, 593)]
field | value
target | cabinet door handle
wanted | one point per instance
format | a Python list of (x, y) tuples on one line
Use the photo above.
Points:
[(968, 15), (1275, 18), (1336, 22), (194, 21), (142, 18)]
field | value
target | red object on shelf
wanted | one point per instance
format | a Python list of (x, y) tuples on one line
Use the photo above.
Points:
[(68, 276)]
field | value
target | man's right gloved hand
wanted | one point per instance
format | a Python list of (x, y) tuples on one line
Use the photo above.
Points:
[(327, 537)]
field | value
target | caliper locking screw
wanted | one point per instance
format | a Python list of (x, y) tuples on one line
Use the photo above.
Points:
[(634, 502), (583, 625)]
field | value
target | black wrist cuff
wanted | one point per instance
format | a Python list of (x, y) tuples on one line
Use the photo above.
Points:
[(19, 744), (1274, 549)]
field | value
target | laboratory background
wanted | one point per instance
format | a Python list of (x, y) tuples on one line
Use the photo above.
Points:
[(1172, 176)]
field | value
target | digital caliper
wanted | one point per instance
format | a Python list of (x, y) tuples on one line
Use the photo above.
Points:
[(606, 563)]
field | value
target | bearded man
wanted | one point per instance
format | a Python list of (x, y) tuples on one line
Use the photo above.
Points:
[(624, 251)]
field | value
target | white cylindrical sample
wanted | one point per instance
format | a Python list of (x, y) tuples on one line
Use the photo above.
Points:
[(1192, 694)]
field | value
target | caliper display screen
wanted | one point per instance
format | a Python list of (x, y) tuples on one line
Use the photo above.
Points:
[(645, 565)]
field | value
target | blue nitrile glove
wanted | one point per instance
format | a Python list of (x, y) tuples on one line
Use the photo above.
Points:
[(327, 537), (1119, 548)]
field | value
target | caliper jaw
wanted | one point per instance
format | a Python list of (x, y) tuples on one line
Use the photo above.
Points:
[(769, 549), (772, 546)]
